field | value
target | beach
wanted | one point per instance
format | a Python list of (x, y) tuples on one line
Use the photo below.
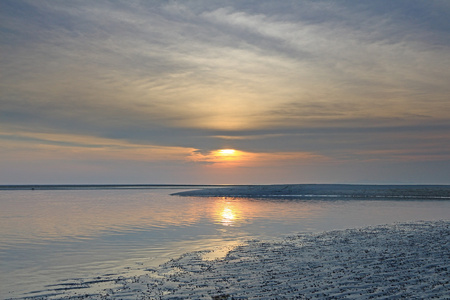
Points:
[(397, 261)]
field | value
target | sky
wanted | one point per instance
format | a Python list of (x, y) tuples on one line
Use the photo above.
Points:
[(224, 92)]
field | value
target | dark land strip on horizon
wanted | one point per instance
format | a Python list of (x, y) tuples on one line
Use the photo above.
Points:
[(107, 186), (326, 191)]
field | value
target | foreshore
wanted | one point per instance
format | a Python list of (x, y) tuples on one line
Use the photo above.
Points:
[(326, 191), (399, 261)]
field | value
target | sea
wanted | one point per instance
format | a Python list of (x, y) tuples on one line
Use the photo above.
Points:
[(52, 237)]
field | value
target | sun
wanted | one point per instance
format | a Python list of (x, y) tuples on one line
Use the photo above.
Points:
[(226, 157), (226, 152)]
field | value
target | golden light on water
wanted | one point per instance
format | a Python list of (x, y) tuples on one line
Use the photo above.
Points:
[(227, 216), (227, 212)]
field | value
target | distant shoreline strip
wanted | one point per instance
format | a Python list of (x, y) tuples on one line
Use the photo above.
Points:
[(329, 191), (327, 196), (105, 186)]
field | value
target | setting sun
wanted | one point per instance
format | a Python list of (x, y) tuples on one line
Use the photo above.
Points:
[(226, 152)]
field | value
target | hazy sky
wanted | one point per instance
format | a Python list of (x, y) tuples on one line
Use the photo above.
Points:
[(151, 91)]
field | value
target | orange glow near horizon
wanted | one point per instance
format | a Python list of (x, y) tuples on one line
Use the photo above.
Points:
[(221, 157), (228, 157), (226, 152), (233, 158)]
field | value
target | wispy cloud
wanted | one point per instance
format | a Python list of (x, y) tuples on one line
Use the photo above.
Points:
[(318, 77)]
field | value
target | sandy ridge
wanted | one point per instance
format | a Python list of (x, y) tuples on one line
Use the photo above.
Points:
[(326, 190)]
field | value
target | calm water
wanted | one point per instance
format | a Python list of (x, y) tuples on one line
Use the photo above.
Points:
[(54, 235)]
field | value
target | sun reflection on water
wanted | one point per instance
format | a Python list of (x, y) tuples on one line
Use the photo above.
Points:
[(227, 212), (227, 216)]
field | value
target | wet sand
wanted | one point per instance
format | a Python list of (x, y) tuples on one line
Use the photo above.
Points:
[(409, 260)]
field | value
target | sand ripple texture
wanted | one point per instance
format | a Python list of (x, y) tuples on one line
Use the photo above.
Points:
[(401, 261)]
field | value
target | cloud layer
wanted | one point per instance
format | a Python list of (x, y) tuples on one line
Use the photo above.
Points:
[(355, 84)]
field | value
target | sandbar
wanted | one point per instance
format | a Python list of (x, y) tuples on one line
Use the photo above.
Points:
[(326, 191)]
